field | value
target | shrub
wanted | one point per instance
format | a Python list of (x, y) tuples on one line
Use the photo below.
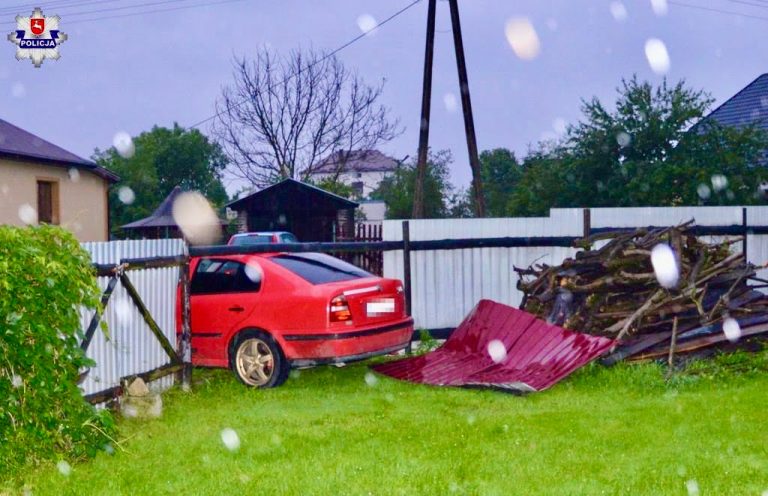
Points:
[(45, 276)]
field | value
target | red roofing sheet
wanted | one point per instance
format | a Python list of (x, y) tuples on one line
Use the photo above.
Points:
[(538, 354)]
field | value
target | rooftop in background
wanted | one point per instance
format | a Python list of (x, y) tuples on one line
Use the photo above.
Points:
[(356, 161), (287, 193), (163, 214), (748, 106), (18, 143)]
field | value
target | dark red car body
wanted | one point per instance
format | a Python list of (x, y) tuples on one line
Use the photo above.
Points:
[(295, 310)]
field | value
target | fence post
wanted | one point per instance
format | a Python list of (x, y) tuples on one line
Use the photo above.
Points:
[(407, 273), (744, 230), (587, 223), (185, 344)]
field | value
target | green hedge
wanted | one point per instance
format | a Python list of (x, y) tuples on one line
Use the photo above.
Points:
[(45, 276)]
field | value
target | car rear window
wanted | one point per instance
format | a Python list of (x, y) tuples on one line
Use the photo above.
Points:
[(318, 268), (252, 239)]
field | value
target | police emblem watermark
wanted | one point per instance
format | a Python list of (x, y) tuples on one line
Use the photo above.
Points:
[(37, 37)]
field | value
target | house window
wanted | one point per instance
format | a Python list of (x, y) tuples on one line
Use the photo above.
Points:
[(357, 188), (48, 202)]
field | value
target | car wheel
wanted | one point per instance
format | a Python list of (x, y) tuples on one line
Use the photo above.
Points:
[(258, 361)]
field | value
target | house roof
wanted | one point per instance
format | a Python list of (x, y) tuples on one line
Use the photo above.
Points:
[(18, 143), (748, 106), (162, 216), (356, 161), (289, 193)]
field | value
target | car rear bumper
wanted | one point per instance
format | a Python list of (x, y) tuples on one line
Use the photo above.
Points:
[(337, 347)]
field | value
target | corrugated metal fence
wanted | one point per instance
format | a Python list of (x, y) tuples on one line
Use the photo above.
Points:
[(131, 348), (446, 285)]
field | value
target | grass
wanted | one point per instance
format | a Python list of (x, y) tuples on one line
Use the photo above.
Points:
[(623, 430)]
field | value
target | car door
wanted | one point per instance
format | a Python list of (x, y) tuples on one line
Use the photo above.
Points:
[(223, 294)]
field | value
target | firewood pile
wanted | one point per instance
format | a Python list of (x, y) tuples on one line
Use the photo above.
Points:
[(656, 291)]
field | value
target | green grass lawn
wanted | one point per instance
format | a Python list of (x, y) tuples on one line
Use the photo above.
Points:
[(330, 430)]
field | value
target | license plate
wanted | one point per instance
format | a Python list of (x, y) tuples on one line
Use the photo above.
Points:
[(380, 306)]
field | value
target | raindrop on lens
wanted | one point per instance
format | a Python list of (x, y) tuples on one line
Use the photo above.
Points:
[(623, 139), (659, 7), (123, 143), (64, 468), (522, 37), (371, 379), (126, 195), (657, 55), (450, 102), (497, 351), (253, 272), (693, 487), (719, 182), (618, 11), (196, 218), (703, 191), (16, 381), (731, 329), (18, 90), (367, 23), (471, 419), (559, 125), (74, 174), (665, 265), (27, 214), (230, 439)]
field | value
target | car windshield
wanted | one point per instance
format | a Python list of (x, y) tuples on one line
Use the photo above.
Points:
[(318, 268), (252, 239), (288, 238)]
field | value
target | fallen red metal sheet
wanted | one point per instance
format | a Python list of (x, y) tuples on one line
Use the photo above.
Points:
[(538, 354)]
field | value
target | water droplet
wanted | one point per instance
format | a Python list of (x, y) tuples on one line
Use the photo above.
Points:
[(230, 439), (129, 411), (27, 214), (657, 55), (18, 90), (471, 419), (732, 329), (559, 125), (367, 23), (623, 139), (16, 381), (253, 272), (693, 487), (389, 397), (74, 174), (126, 195), (665, 265), (618, 11), (762, 190), (295, 374), (451, 102), (659, 7), (497, 351), (522, 37), (719, 182), (681, 470), (371, 379), (703, 191), (196, 219), (123, 143), (123, 312), (552, 24), (64, 468), (276, 440), (108, 449)]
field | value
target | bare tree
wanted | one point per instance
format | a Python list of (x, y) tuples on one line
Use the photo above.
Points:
[(282, 115)]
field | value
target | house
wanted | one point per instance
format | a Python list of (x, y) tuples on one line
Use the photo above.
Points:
[(363, 170), (161, 224), (748, 106), (311, 213), (43, 183)]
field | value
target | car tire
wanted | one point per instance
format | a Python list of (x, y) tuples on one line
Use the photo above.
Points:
[(257, 360)]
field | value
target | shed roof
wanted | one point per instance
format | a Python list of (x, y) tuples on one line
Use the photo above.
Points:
[(748, 106), (163, 214), (287, 194), (18, 143), (356, 161)]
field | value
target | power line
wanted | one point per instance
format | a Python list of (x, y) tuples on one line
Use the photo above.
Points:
[(761, 5), (60, 4), (323, 58), (719, 11), (143, 12)]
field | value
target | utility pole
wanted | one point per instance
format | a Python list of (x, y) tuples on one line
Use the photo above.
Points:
[(426, 105), (466, 105)]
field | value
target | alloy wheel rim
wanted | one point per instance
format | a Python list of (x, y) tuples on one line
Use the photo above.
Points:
[(255, 362)]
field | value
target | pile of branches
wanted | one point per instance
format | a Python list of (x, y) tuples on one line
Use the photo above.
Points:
[(613, 291)]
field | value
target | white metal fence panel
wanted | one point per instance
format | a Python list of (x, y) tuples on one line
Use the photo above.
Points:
[(447, 284), (130, 347)]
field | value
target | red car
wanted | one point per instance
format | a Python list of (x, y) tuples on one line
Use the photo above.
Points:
[(262, 314)]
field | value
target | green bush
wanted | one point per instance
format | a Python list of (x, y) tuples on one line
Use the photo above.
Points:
[(45, 276)]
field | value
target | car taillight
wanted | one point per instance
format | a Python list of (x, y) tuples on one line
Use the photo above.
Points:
[(340, 310)]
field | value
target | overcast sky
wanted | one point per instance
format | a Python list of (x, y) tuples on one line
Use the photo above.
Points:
[(130, 73)]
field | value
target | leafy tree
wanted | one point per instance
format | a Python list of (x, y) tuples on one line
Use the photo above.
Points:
[(397, 189), (164, 158), (652, 149), (500, 172)]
